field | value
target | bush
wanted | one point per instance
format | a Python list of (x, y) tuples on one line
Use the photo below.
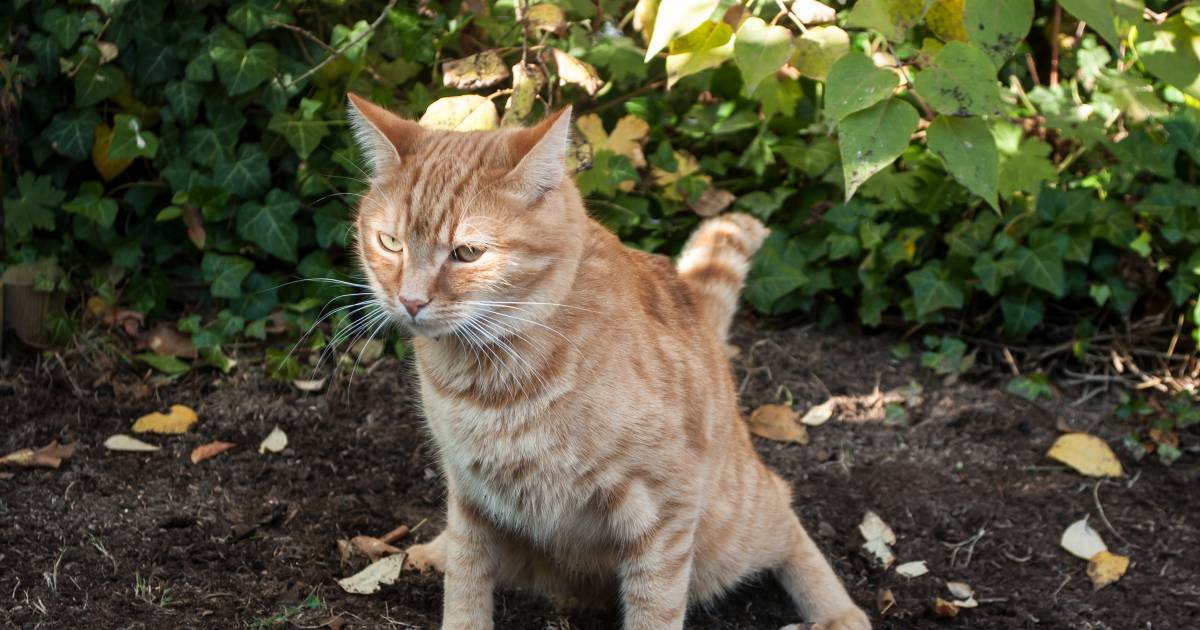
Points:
[(915, 160)]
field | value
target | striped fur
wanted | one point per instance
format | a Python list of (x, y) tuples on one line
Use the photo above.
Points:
[(587, 427)]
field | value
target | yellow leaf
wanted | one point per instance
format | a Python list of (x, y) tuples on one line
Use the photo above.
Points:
[(576, 72), (778, 422), (547, 18), (684, 165), (178, 420), (107, 168), (1087, 454), (945, 19), (707, 46), (1105, 568), (643, 18), (480, 70), (626, 138), (469, 112), (675, 18)]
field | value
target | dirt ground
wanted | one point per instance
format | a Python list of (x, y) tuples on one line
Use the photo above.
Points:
[(123, 540)]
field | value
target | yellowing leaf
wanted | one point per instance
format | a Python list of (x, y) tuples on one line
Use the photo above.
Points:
[(626, 138), (818, 49), (945, 19), (1106, 567), (547, 18), (275, 442), (469, 112), (108, 168), (205, 451), (528, 80), (178, 420), (576, 72), (675, 18), (481, 70), (685, 165), (121, 442), (1087, 454), (367, 581), (778, 422), (644, 18), (1081, 541), (705, 47)]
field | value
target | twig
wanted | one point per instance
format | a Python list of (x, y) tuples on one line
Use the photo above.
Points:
[(1103, 518), (1055, 26), (969, 544), (70, 379), (795, 19), (1060, 588), (340, 51)]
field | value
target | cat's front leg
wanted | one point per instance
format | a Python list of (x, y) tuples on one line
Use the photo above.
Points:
[(471, 566), (655, 577)]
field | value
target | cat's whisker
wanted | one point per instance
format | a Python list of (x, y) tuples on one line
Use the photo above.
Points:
[(530, 321), (511, 351), (360, 305), (345, 333), (325, 280), (383, 323), (493, 302)]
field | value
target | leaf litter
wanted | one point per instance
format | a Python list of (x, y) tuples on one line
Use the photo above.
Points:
[(125, 443), (212, 449), (178, 420), (778, 422), (879, 539), (1104, 567), (49, 456), (1087, 454), (275, 442)]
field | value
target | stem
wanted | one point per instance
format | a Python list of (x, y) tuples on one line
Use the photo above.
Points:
[(1054, 28), (333, 55), (795, 20)]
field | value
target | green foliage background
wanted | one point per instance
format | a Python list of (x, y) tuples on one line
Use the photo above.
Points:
[(913, 157)]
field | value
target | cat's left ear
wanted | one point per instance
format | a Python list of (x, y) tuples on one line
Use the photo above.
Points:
[(382, 136), (542, 151)]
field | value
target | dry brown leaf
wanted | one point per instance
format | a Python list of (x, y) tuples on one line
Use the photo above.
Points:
[(574, 71), (481, 70), (275, 442), (165, 340), (943, 608), (547, 18), (179, 419), (712, 202), (205, 451), (395, 534), (879, 550), (195, 225), (49, 456), (1087, 454), (778, 422), (372, 547), (108, 51), (885, 601), (1106, 567), (125, 443), (872, 526)]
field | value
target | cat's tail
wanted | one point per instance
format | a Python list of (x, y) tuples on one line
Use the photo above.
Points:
[(714, 263)]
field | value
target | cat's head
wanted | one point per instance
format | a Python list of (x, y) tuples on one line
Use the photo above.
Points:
[(462, 231)]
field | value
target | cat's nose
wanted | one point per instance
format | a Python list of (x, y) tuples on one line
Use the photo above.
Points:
[(413, 305)]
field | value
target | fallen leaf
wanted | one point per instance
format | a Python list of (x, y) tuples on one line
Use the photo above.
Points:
[(469, 112), (778, 422), (1081, 541), (203, 452), (371, 547), (1087, 454), (178, 420), (165, 340), (275, 442), (1106, 567), (574, 71), (880, 551), (943, 608), (309, 386), (965, 603), (547, 18), (481, 70), (913, 569), (368, 581), (885, 601), (873, 527), (960, 590), (626, 138), (49, 456), (712, 202), (819, 414), (121, 442)]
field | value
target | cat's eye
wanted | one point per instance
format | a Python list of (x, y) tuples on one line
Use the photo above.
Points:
[(390, 243), (467, 253)]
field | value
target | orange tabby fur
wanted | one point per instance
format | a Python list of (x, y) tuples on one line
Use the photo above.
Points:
[(577, 390)]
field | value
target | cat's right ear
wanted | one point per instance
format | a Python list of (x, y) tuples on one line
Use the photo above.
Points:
[(382, 136)]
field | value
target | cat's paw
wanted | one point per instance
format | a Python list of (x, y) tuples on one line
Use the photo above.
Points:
[(850, 619), (424, 558)]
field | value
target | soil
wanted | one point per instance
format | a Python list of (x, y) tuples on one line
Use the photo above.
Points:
[(135, 540)]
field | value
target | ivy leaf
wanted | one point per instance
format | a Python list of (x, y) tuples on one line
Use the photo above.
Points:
[(253, 16), (95, 83), (776, 272), (620, 57), (818, 48), (1042, 267), (184, 99), (1028, 169), (203, 145), (242, 69), (992, 272), (62, 25), (343, 35), (1183, 131), (248, 175), (706, 47), (1021, 315), (892, 18), (675, 18), (156, 60), (997, 26), (260, 297), (130, 141), (34, 208), (71, 132), (303, 135), (968, 151), (107, 168), (225, 273), (960, 81), (269, 225), (91, 203), (933, 290), (759, 50), (1171, 51), (854, 84), (873, 138)]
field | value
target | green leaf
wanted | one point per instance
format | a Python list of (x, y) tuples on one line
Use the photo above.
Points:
[(1028, 170), (619, 56), (854, 84), (776, 272), (203, 145), (818, 48), (184, 99), (961, 81), (707, 46), (225, 273), (247, 176), (892, 18), (1171, 51), (1183, 130), (1042, 267), (675, 18), (259, 299), (343, 35), (71, 133), (91, 203), (968, 151), (873, 138), (269, 225), (760, 50), (164, 363), (1021, 315), (933, 290), (130, 140), (997, 26), (1109, 18), (34, 208), (253, 16), (62, 25), (1031, 387), (156, 60), (95, 83), (992, 272), (303, 135), (242, 69)]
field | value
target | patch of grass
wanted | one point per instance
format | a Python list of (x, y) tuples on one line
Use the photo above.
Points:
[(146, 591), (311, 603)]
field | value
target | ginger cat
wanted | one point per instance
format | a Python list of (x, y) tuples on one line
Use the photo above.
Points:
[(577, 390)]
